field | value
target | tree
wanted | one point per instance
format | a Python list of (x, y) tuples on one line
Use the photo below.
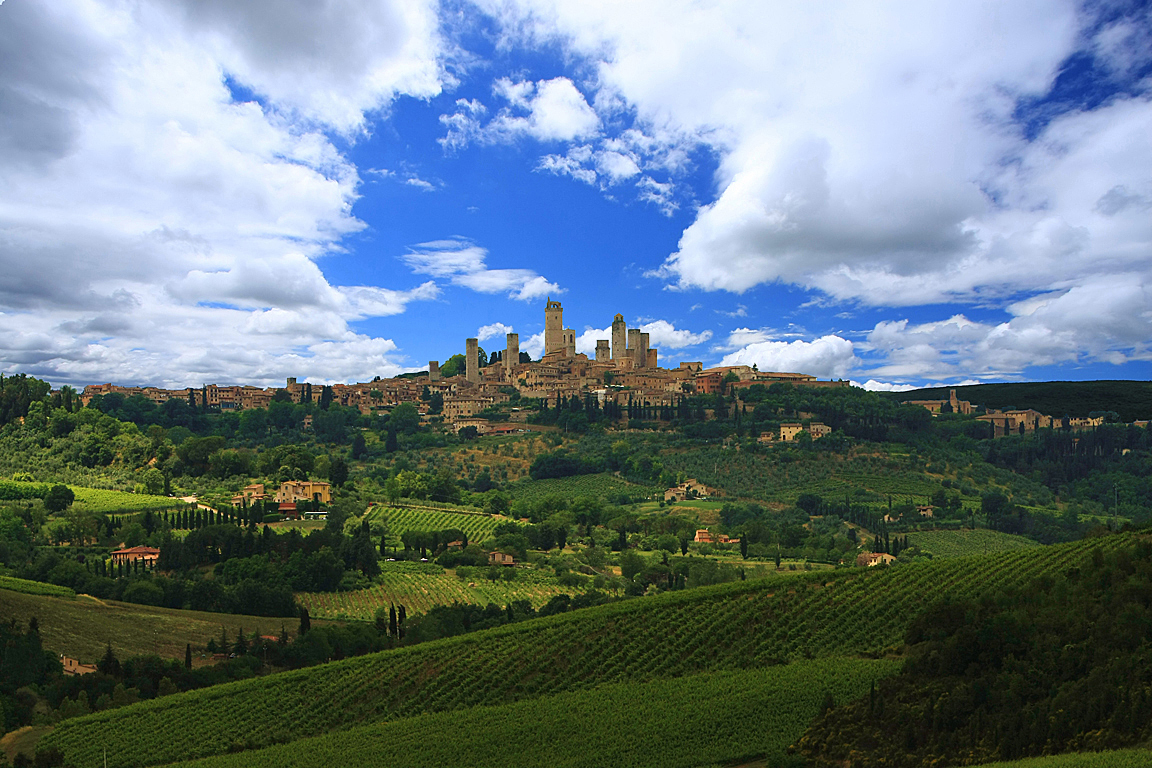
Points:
[(305, 621), (390, 443), (359, 448), (404, 418), (338, 472), (188, 656), (325, 398), (58, 498), (109, 664), (392, 620)]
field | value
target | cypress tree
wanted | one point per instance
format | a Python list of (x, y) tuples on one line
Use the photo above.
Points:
[(188, 656), (392, 620), (305, 621)]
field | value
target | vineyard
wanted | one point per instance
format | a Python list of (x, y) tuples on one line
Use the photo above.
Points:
[(601, 485), (739, 625), (34, 587), (420, 591), (477, 527), (689, 721), (110, 502), (980, 541)]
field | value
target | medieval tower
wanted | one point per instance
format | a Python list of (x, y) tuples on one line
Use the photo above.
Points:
[(619, 338)]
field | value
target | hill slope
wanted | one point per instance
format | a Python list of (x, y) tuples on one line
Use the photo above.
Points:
[(1131, 399), (732, 626), (687, 721)]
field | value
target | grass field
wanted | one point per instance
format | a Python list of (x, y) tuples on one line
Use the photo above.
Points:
[(477, 526), (740, 625), (1120, 758), (111, 502), (603, 484), (420, 591), (967, 542), (13, 584), (717, 717), (81, 627), (22, 740)]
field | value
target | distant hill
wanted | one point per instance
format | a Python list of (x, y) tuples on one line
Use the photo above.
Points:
[(1131, 399)]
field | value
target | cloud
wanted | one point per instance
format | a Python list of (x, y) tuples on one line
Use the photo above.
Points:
[(495, 330), (904, 156), (1100, 321), (154, 226), (826, 357), (463, 262), (661, 335), (556, 111), (883, 386)]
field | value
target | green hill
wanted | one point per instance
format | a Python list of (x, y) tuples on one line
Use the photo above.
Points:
[(741, 625), (689, 721), (82, 626), (1131, 399)]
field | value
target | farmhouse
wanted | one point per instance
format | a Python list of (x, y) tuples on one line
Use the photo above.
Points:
[(501, 558), (689, 489), (705, 536), (251, 493), (869, 559), (304, 490), (130, 555), (74, 667)]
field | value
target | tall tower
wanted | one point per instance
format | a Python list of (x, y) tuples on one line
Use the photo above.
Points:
[(553, 327), (433, 370), (569, 337), (642, 353), (512, 352), (633, 346), (472, 360), (619, 338), (602, 353)]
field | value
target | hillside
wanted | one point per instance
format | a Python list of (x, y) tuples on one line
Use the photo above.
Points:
[(81, 627), (689, 721), (1132, 400), (739, 625)]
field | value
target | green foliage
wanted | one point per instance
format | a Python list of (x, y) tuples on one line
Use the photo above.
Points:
[(1132, 400), (601, 485), (1057, 663), (749, 624), (717, 717)]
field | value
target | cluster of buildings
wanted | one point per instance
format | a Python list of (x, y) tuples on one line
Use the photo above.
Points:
[(1014, 421), (624, 368)]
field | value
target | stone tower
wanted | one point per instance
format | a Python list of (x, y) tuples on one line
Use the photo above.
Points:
[(569, 338), (512, 352), (433, 370), (619, 338), (633, 346), (553, 327), (603, 354), (642, 353), (472, 360)]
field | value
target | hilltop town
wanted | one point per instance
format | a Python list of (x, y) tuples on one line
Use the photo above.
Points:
[(624, 369)]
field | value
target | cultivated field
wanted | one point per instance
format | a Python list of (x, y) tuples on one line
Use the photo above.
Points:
[(601, 485), (477, 526), (740, 625), (81, 627), (714, 717), (1120, 758), (420, 591), (980, 541)]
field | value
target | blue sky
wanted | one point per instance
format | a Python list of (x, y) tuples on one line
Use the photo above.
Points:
[(901, 195)]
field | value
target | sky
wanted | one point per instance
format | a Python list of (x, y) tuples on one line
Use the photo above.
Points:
[(896, 193)]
